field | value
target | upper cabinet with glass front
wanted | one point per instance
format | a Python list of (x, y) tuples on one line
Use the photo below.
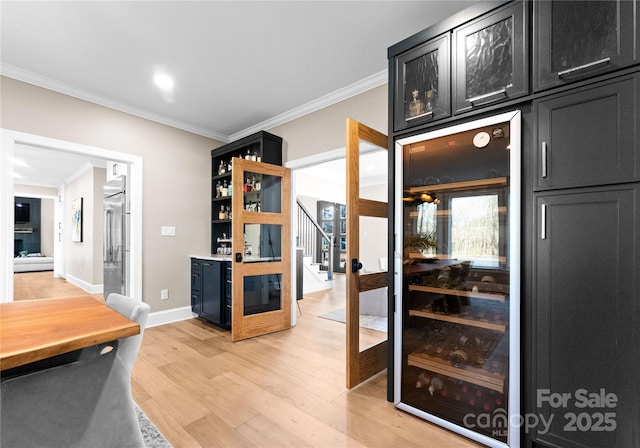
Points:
[(422, 83), (476, 58), (490, 58), (574, 40)]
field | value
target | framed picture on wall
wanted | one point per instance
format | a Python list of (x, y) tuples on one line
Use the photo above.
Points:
[(76, 221)]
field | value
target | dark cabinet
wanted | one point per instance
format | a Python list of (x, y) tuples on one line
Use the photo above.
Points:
[(585, 317), (260, 147), (422, 83), (580, 206), (210, 291), (490, 58), (196, 286), (577, 39), (589, 136)]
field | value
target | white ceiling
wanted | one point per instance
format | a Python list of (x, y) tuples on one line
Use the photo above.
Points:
[(238, 66), (45, 168)]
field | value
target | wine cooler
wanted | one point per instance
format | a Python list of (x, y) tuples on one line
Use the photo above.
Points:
[(457, 278)]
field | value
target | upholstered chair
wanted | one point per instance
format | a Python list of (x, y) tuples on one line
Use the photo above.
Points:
[(81, 399), (136, 311)]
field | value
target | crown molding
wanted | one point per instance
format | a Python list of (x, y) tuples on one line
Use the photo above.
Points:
[(342, 94), (60, 87)]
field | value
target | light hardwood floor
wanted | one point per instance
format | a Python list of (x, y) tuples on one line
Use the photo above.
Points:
[(285, 389), (43, 285)]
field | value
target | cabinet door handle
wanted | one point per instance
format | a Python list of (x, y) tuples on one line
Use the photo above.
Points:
[(488, 97), (543, 221), (543, 154), (577, 71)]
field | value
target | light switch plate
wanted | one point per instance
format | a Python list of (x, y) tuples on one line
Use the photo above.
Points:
[(168, 231)]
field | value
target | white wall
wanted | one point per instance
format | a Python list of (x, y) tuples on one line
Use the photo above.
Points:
[(176, 176), (83, 260), (373, 231), (325, 130), (47, 226), (176, 166)]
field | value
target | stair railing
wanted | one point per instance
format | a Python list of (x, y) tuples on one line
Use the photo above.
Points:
[(309, 231)]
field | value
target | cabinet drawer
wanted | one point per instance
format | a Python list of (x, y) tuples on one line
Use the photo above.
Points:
[(574, 40), (490, 59), (589, 137)]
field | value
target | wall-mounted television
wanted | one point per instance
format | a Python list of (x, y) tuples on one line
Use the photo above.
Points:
[(22, 212)]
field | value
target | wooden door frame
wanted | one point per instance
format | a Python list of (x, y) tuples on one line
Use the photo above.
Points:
[(361, 365), (243, 327)]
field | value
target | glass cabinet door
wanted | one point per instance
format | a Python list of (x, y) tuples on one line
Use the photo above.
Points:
[(261, 253), (576, 39), (422, 84), (490, 60), (457, 277)]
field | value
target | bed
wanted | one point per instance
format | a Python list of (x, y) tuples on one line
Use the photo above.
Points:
[(32, 263)]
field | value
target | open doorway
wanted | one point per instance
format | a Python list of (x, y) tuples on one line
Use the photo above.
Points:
[(13, 144), (319, 182)]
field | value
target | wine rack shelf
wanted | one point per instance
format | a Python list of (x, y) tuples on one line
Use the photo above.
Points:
[(456, 292)]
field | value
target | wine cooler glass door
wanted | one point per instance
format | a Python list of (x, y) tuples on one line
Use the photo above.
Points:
[(457, 277)]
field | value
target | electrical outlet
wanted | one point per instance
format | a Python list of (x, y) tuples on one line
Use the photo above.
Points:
[(164, 294)]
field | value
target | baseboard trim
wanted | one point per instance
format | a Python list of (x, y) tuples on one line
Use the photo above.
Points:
[(91, 289), (168, 316)]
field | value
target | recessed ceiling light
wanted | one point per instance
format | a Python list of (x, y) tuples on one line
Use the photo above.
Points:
[(163, 81)]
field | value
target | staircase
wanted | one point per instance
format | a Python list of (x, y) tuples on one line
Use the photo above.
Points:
[(314, 277), (317, 266)]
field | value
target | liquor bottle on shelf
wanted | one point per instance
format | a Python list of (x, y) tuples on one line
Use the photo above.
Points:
[(224, 191)]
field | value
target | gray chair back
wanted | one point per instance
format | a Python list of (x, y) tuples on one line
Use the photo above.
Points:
[(138, 312)]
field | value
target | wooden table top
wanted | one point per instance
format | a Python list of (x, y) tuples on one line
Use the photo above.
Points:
[(32, 330)]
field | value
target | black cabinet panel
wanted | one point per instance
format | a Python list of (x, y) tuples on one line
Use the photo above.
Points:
[(196, 286), (211, 291), (586, 315), (490, 58), (589, 136), (422, 83), (577, 39)]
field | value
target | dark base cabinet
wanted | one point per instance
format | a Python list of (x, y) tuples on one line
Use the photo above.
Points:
[(584, 364), (211, 291)]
